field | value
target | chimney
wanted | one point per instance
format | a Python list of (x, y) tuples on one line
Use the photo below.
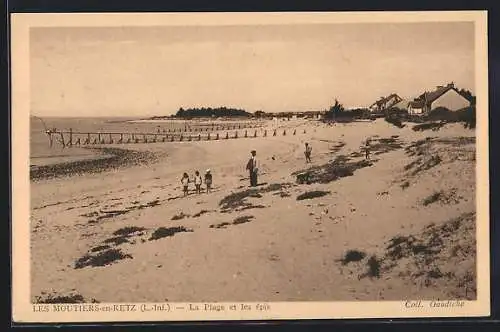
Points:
[(451, 85)]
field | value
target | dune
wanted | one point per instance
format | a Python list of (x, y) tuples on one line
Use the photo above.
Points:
[(383, 229)]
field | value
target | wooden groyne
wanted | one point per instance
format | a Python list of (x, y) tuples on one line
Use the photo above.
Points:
[(71, 138)]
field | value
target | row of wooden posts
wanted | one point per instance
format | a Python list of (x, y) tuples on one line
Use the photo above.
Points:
[(213, 127), (99, 138)]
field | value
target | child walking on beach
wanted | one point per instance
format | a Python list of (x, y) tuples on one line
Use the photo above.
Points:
[(197, 182), (208, 180), (185, 183)]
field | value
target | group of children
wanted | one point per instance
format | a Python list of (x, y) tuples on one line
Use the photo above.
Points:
[(185, 180)]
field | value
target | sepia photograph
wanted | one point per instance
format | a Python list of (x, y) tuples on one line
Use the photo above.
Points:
[(250, 165)]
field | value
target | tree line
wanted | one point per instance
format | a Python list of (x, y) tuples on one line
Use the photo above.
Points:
[(211, 112)]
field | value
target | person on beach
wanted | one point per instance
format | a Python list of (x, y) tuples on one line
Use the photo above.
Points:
[(208, 180), (307, 153), (197, 182), (253, 168), (367, 149), (185, 183)]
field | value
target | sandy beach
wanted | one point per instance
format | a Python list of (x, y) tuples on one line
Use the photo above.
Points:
[(399, 226)]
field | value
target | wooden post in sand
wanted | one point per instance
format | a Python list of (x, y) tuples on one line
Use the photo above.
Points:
[(304, 131), (294, 131), (172, 138), (217, 136), (110, 139), (62, 139), (236, 134), (70, 143), (199, 137), (274, 133), (208, 137), (181, 138), (50, 138), (265, 133), (99, 137), (284, 132), (255, 134), (246, 134), (227, 135)]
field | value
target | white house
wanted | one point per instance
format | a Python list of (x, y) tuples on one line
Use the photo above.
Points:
[(416, 107), (446, 97)]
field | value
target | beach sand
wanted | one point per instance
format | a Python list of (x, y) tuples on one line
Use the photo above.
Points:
[(265, 245)]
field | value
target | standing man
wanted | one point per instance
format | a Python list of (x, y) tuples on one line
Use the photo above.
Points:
[(253, 168), (367, 149), (308, 153)]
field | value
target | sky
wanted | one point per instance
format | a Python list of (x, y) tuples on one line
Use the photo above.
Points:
[(143, 71)]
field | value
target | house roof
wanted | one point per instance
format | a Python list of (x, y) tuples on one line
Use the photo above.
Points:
[(402, 104), (416, 103), (429, 97), (385, 99)]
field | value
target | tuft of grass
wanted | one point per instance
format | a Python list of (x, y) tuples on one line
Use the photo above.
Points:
[(101, 259), (61, 299), (423, 164), (125, 231), (180, 216), (196, 215), (332, 171), (237, 221), (116, 240), (165, 232), (352, 256), (397, 240), (238, 199), (373, 267), (242, 220), (394, 120), (405, 185), (434, 273), (221, 225), (429, 125), (312, 194), (148, 204), (99, 248), (436, 196)]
